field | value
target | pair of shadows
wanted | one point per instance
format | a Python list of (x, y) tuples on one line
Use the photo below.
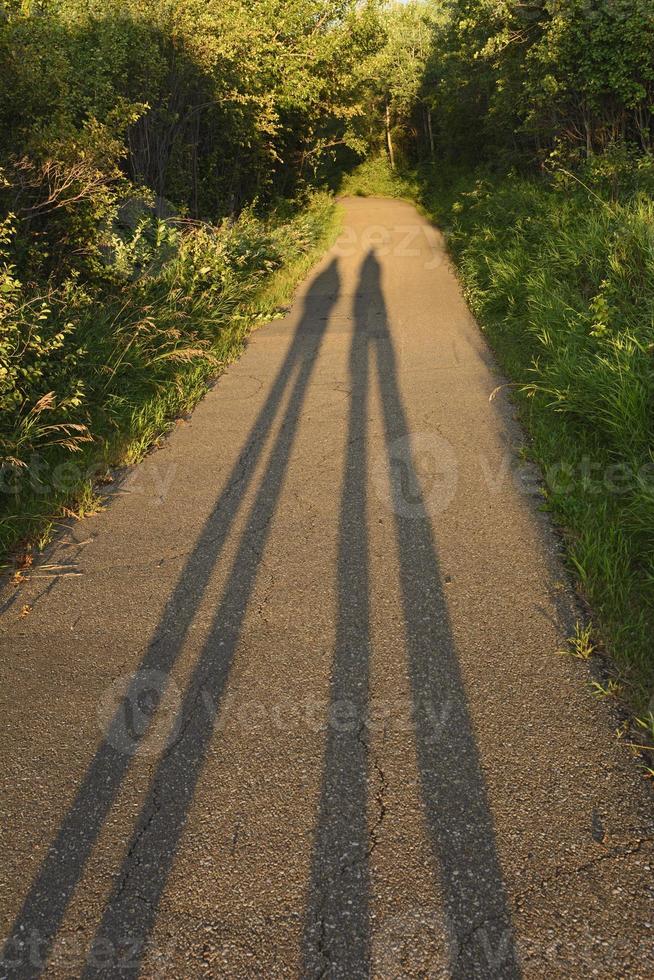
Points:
[(336, 939), (476, 915)]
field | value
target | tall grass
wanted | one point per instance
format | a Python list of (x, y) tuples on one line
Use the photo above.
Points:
[(561, 278), (92, 375), (374, 178)]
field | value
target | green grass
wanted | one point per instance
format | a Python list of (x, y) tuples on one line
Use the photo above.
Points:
[(561, 281), (374, 178), (120, 361)]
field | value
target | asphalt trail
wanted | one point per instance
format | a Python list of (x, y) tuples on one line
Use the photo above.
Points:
[(293, 703)]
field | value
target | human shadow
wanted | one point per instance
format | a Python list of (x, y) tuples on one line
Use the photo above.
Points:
[(122, 936), (336, 924), (476, 916)]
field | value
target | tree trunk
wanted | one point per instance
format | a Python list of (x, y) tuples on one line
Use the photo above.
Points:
[(431, 133), (589, 132), (389, 138)]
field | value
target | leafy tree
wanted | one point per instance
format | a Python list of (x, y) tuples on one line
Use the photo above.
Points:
[(394, 74), (522, 77)]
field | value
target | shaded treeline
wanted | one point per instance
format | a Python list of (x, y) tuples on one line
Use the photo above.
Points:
[(508, 81), (156, 169), (516, 79), (207, 104)]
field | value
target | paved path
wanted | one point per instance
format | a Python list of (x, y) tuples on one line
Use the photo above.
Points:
[(291, 705)]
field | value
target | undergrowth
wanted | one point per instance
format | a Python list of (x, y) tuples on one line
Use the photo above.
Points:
[(93, 373), (374, 178)]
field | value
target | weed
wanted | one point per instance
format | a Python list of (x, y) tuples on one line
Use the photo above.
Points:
[(646, 725), (92, 375), (580, 644), (612, 689)]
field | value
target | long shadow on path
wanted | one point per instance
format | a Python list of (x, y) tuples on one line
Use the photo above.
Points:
[(476, 914), (336, 927), (132, 907)]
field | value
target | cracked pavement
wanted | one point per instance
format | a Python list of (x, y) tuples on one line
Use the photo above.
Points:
[(293, 705)]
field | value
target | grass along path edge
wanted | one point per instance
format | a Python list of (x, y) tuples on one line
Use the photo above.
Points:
[(57, 485), (561, 283)]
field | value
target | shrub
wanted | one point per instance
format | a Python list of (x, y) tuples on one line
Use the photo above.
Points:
[(102, 369)]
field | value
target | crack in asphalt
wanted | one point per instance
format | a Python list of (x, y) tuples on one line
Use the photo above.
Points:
[(322, 944), (373, 832), (132, 858), (562, 872)]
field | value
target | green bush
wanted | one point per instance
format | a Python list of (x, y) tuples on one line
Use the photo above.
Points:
[(101, 369), (111, 114)]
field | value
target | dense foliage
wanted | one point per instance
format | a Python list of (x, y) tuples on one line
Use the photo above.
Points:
[(143, 153), (544, 127), (100, 372), (207, 102), (526, 80)]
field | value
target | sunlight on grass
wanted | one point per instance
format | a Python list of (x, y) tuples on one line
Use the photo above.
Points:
[(563, 287), (132, 364)]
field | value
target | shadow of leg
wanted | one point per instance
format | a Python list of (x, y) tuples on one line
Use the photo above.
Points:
[(50, 893), (336, 939), (132, 908), (476, 911)]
